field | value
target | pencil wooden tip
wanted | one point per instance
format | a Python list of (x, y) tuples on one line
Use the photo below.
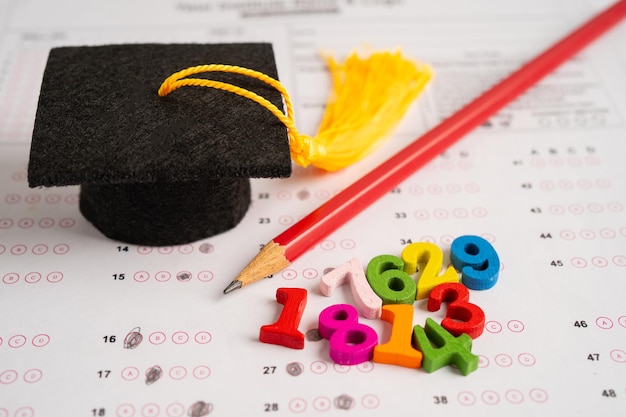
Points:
[(268, 261)]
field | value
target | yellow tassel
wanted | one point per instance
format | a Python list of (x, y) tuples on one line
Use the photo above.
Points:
[(369, 98)]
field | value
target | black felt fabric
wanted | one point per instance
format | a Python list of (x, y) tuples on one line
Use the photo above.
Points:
[(167, 216), (100, 123)]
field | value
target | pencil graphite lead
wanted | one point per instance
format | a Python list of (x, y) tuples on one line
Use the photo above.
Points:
[(235, 285), (268, 261)]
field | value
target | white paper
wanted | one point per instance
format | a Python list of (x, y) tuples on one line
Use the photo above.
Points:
[(544, 181)]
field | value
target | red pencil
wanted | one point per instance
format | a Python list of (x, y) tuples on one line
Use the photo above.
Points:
[(293, 242)]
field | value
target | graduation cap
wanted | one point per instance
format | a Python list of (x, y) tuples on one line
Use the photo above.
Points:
[(156, 170)]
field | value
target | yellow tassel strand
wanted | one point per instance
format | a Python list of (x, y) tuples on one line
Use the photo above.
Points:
[(369, 98)]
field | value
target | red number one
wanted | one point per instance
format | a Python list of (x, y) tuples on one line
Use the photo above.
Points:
[(285, 331)]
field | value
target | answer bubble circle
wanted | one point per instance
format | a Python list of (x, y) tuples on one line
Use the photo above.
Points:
[(619, 260), (41, 340), (201, 372), (180, 338), (157, 338), (130, 373), (526, 359), (141, 276), (490, 397), (185, 249), (18, 249), (618, 355), (297, 405), (32, 198), (206, 248), (178, 372), (163, 276), (327, 245), (17, 341), (310, 273), (493, 327), (460, 213), (503, 360), (289, 274), (604, 323), (183, 276), (52, 199), (440, 213), (319, 367), (25, 223), (514, 396), (61, 249), (10, 278), (205, 276), (283, 195), (54, 277), (203, 338), (71, 199), (466, 398), (8, 377), (125, 410), (322, 403), (599, 261), (175, 410), (165, 250), (370, 401), (150, 410), (33, 375), (538, 395), (12, 198), (479, 211), (515, 326), (32, 277), (285, 220), (144, 250), (347, 244)]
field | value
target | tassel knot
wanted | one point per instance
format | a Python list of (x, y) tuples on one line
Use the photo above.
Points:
[(305, 149)]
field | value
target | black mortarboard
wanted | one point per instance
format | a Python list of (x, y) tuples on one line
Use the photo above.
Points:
[(156, 170)]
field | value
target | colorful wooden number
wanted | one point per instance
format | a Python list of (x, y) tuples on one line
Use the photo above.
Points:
[(461, 316), (431, 257), (367, 302), (398, 349), (386, 276), (285, 331), (350, 342), (440, 348), (477, 260)]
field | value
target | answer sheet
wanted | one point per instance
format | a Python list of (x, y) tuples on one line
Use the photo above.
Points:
[(94, 327)]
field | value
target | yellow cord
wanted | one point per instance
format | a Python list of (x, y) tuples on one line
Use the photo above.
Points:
[(300, 145), (369, 98)]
